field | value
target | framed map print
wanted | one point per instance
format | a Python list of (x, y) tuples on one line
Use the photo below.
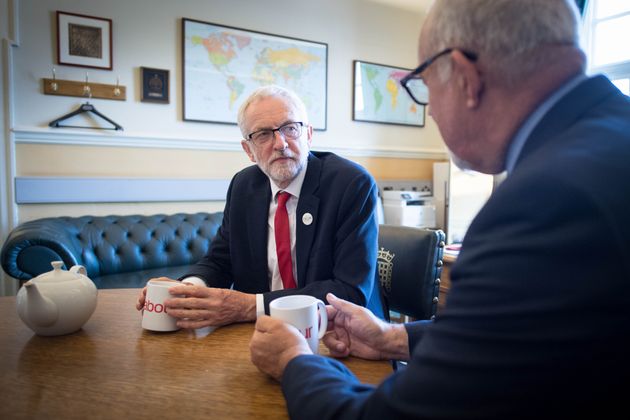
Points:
[(379, 97), (222, 65)]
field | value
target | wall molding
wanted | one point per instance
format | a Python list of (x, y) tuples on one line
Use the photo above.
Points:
[(40, 135)]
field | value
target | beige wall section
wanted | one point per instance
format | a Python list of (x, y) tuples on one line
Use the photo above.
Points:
[(391, 168), (90, 161)]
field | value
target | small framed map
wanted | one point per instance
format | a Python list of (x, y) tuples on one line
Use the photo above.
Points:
[(379, 97), (222, 65)]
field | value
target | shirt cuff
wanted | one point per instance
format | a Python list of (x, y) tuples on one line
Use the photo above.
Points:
[(195, 281), (260, 305)]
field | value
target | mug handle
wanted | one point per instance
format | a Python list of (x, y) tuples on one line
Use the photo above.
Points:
[(323, 318)]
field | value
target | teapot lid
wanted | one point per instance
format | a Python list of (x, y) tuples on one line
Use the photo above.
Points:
[(56, 274)]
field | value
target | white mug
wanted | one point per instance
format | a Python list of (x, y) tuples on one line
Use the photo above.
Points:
[(301, 311), (154, 316)]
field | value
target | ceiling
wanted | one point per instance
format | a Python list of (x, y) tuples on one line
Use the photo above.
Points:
[(417, 6)]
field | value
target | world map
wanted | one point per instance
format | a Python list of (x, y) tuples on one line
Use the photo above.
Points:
[(223, 65), (379, 97)]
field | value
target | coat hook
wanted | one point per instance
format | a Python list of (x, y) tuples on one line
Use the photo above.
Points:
[(117, 88), (86, 89), (53, 85)]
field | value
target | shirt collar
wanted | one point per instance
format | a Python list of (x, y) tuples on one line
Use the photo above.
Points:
[(294, 187), (520, 138)]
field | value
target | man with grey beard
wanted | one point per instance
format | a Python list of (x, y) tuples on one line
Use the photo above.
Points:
[(325, 241)]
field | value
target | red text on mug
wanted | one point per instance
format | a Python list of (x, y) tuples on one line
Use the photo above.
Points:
[(158, 308), (307, 332)]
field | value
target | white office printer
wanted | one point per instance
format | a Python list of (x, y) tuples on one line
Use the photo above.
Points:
[(409, 208)]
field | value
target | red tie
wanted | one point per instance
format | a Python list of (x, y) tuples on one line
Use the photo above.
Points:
[(283, 241)]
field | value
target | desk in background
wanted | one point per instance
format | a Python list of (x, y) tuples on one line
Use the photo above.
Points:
[(114, 369), (445, 278)]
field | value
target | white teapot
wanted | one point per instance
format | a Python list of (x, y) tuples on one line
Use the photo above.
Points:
[(57, 302)]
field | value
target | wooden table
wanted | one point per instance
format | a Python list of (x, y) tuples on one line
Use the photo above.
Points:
[(112, 368)]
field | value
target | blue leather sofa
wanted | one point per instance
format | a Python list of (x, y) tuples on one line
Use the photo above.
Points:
[(117, 251)]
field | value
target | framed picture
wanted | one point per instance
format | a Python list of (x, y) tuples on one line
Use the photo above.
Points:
[(84, 41), (154, 85), (222, 65), (379, 97)]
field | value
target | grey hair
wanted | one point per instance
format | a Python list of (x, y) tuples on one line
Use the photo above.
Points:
[(270, 91), (506, 33)]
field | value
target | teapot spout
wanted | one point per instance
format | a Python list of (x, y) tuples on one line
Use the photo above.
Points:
[(41, 311)]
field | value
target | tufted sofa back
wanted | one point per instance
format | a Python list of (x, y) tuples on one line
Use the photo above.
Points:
[(108, 245)]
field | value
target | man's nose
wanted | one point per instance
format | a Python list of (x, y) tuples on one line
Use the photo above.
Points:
[(279, 142)]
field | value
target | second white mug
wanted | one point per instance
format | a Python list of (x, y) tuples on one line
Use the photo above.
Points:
[(304, 312)]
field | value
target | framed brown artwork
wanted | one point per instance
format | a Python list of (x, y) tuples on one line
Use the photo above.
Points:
[(84, 41)]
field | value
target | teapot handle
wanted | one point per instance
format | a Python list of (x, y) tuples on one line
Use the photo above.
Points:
[(78, 269)]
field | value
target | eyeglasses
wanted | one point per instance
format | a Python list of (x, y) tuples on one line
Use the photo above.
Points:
[(413, 83), (289, 131)]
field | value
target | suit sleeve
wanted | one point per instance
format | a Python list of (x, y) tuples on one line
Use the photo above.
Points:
[(355, 247), (215, 268)]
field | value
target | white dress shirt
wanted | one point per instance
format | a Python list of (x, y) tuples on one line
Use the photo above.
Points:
[(275, 282)]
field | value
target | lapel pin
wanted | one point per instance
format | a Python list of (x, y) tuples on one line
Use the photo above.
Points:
[(307, 219)]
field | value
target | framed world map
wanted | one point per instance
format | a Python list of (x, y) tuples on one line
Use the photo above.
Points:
[(222, 65), (379, 97)]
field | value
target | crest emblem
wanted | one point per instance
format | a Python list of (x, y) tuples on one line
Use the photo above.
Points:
[(385, 268)]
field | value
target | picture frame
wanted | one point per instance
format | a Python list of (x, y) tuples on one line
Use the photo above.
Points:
[(378, 97), (84, 41), (155, 85), (222, 65)]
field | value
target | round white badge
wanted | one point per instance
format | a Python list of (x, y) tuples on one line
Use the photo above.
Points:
[(307, 218)]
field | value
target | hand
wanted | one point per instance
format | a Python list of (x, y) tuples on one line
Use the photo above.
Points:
[(143, 293), (200, 306), (354, 330), (274, 344)]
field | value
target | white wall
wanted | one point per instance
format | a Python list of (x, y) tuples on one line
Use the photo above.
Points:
[(148, 33)]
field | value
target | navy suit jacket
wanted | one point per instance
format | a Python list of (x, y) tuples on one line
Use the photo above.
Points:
[(537, 321), (335, 253)]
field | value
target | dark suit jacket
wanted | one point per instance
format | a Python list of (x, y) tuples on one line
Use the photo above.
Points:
[(537, 321), (335, 253)]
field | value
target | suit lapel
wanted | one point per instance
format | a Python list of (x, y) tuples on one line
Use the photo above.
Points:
[(256, 221), (306, 212)]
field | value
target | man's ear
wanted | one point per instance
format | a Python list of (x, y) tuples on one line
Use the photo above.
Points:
[(309, 135), (468, 78), (247, 147)]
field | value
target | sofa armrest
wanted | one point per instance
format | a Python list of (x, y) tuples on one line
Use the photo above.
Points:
[(31, 247)]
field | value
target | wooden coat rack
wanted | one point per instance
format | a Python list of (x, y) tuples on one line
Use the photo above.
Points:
[(84, 89)]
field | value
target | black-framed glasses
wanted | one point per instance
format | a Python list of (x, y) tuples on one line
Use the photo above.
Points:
[(413, 83), (289, 131)]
